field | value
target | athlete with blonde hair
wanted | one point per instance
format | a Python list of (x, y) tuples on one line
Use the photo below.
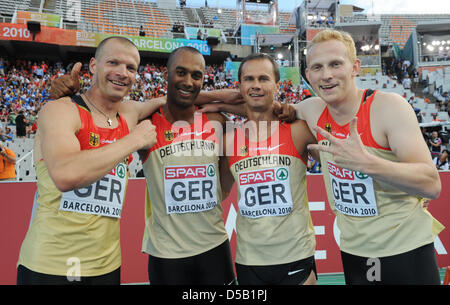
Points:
[(376, 166)]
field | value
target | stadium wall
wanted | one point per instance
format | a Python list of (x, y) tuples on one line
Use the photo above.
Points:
[(235, 49), (16, 208), (431, 68)]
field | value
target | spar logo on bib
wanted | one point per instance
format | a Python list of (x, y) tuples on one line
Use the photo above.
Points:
[(190, 188), (211, 171), (265, 193), (361, 175), (282, 174), (185, 172), (352, 191), (120, 171)]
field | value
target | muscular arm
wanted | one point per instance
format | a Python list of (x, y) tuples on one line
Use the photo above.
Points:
[(302, 136), (393, 125), (415, 172), (226, 178), (310, 110), (144, 110), (299, 110), (228, 96), (222, 129), (139, 111), (223, 100), (68, 165), (238, 109)]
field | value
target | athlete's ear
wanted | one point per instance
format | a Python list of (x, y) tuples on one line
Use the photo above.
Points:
[(356, 67), (92, 65)]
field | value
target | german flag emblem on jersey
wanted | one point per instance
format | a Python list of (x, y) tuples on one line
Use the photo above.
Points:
[(94, 139), (168, 135), (244, 150)]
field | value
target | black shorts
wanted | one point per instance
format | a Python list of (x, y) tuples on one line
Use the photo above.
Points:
[(295, 273), (213, 267), (415, 267), (26, 276), (21, 132)]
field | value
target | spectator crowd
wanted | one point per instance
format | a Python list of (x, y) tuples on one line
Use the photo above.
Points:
[(401, 71), (25, 88)]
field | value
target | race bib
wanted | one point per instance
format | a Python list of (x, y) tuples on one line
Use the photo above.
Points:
[(265, 192), (190, 188), (352, 192), (104, 197)]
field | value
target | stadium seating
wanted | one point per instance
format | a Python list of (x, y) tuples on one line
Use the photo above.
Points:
[(427, 109), (400, 29), (396, 28), (23, 148), (7, 7), (225, 20), (126, 17), (285, 27)]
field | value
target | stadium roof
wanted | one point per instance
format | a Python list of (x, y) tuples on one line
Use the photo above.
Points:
[(360, 29), (275, 39), (329, 5), (320, 4), (437, 26), (259, 1)]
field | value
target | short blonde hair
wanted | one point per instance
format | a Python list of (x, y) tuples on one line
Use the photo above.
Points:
[(328, 34)]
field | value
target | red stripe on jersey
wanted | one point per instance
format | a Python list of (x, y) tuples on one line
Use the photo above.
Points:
[(168, 133), (280, 143), (327, 123), (91, 136)]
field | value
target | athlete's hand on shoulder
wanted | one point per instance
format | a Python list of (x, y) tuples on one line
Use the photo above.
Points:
[(212, 107), (145, 134), (238, 109), (347, 153), (285, 112), (227, 96), (67, 84), (233, 96)]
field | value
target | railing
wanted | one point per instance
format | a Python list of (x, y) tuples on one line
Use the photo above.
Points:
[(57, 24), (197, 17), (435, 59), (25, 169)]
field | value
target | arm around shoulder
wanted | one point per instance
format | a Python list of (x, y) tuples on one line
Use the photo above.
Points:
[(69, 166), (228, 96), (310, 111), (302, 136), (226, 177)]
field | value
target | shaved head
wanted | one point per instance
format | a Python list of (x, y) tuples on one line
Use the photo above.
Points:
[(174, 53), (104, 42)]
